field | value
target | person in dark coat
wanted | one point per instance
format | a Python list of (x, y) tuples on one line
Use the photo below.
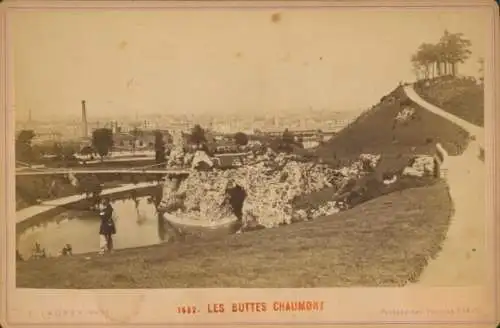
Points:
[(107, 228)]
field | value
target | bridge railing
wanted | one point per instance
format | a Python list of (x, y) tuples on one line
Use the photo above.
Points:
[(147, 168)]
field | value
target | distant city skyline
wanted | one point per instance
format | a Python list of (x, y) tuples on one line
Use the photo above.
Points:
[(141, 117), (227, 61)]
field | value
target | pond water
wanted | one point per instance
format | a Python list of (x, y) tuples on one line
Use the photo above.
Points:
[(137, 224)]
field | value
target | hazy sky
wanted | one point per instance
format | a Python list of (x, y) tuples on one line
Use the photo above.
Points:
[(221, 60)]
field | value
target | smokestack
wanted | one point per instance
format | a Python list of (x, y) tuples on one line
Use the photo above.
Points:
[(84, 120)]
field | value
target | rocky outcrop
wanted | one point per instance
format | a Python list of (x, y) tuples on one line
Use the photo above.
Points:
[(272, 183)]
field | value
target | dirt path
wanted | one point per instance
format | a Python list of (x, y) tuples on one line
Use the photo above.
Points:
[(462, 261)]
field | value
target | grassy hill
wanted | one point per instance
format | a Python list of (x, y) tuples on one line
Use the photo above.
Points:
[(383, 242), (459, 96), (375, 132)]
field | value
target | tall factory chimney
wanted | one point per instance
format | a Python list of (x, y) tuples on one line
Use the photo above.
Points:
[(84, 120)]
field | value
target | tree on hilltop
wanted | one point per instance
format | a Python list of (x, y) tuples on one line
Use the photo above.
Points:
[(426, 60), (455, 50), (442, 58)]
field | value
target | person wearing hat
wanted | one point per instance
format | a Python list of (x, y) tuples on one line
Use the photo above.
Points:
[(107, 228)]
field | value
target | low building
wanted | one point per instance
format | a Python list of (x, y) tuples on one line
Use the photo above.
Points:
[(226, 161), (143, 140), (50, 137)]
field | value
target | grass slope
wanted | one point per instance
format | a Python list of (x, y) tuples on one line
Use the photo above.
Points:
[(462, 97), (383, 242), (375, 132)]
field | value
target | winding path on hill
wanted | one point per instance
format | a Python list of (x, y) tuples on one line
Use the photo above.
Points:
[(462, 260), (474, 130)]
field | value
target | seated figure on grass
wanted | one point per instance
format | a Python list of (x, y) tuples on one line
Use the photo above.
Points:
[(67, 250), (38, 251)]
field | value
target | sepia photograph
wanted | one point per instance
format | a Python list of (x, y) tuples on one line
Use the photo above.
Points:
[(196, 146)]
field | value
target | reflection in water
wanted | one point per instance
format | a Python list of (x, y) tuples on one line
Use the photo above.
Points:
[(137, 224)]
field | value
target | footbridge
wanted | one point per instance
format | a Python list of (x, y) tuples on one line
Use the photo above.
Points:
[(25, 170), (114, 171)]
